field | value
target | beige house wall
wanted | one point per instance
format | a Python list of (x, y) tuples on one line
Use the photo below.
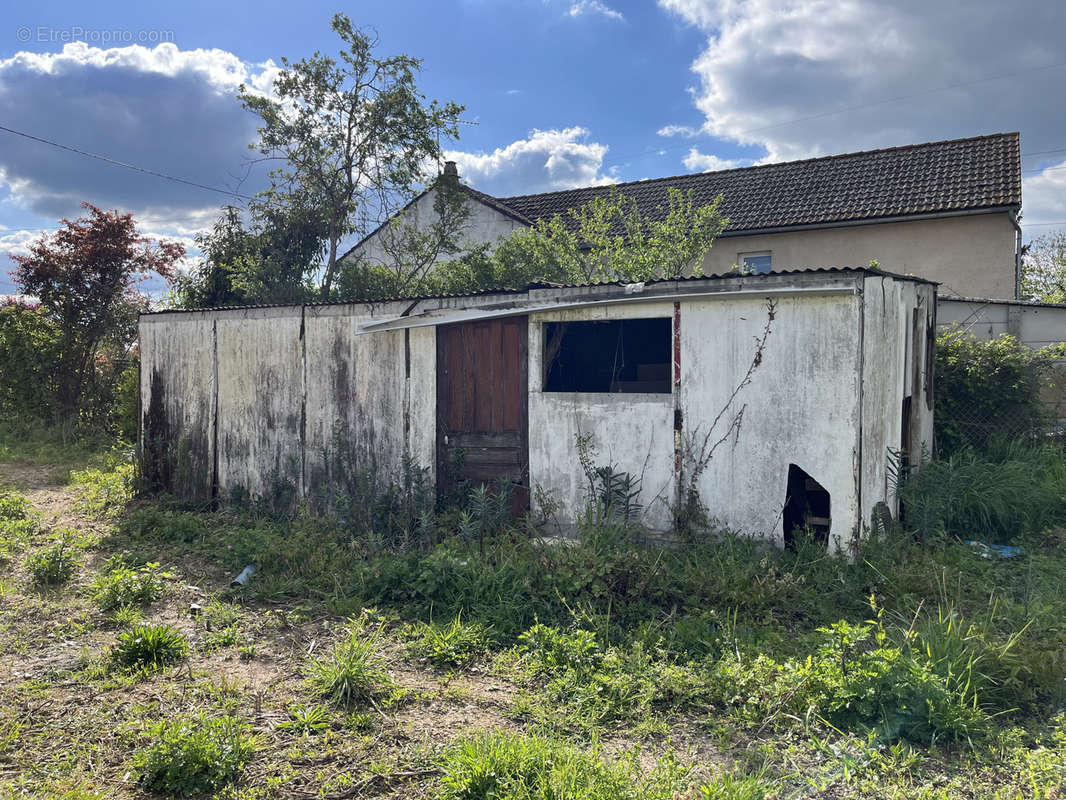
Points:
[(971, 256)]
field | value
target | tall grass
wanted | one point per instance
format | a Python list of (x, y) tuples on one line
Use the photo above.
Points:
[(1011, 489)]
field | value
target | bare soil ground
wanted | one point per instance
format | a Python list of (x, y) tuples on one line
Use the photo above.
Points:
[(70, 721)]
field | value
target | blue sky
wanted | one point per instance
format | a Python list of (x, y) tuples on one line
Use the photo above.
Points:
[(564, 92)]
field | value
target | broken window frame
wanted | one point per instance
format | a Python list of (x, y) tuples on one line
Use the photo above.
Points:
[(554, 344)]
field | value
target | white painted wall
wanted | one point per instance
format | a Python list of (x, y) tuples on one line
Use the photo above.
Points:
[(292, 380), (826, 396), (632, 432), (801, 407), (485, 225)]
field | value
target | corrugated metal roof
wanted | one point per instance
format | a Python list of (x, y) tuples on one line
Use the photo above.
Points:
[(534, 286)]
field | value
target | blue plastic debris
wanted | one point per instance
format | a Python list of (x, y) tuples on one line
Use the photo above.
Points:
[(995, 550)]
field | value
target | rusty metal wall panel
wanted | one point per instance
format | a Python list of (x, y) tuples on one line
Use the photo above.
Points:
[(482, 405)]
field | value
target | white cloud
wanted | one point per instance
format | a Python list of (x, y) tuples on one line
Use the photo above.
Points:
[(815, 77), (706, 162), (168, 110), (15, 243), (1044, 195), (686, 131), (546, 161), (594, 7)]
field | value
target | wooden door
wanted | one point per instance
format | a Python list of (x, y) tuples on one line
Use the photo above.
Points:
[(482, 405)]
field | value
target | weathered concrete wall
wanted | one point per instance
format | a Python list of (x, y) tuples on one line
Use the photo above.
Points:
[(485, 225), (895, 365), (178, 398), (371, 398), (969, 256), (298, 385), (260, 400), (1034, 324), (801, 407), (295, 386), (632, 432)]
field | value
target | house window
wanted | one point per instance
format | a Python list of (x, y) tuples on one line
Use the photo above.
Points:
[(621, 355), (759, 263)]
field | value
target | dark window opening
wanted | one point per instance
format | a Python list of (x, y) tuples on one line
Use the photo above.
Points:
[(807, 509), (621, 355)]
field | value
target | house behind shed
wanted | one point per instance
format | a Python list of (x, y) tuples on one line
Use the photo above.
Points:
[(667, 381)]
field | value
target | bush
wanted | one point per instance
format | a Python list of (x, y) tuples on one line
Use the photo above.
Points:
[(14, 507), (122, 586), (105, 492), (30, 351), (149, 647), (193, 755), (353, 673), (988, 389), (451, 645), (54, 565)]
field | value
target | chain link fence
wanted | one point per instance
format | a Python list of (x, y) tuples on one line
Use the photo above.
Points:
[(997, 390)]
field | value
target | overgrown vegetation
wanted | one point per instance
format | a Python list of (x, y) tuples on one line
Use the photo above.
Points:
[(988, 390), (495, 663), (56, 564), (193, 755)]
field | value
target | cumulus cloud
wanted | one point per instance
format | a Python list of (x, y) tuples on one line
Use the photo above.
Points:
[(1044, 195), (594, 7), (546, 161), (165, 109), (813, 77), (15, 243), (706, 162), (685, 131)]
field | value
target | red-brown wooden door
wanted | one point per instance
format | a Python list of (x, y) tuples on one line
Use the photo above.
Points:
[(482, 405)]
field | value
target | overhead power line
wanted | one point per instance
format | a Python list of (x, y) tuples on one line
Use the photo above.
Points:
[(116, 163)]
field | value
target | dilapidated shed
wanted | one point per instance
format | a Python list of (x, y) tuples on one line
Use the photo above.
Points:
[(772, 400)]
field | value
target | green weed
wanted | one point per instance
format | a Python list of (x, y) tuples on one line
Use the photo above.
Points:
[(585, 686), (306, 720), (149, 647), (353, 672), (105, 492), (528, 767), (193, 755), (54, 565), (453, 644), (121, 585), (14, 506)]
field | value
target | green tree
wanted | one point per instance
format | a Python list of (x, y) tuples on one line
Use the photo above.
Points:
[(271, 259), (29, 353), (1044, 269), (606, 240), (355, 136)]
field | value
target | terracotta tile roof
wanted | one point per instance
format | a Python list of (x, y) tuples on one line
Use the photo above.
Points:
[(957, 175)]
